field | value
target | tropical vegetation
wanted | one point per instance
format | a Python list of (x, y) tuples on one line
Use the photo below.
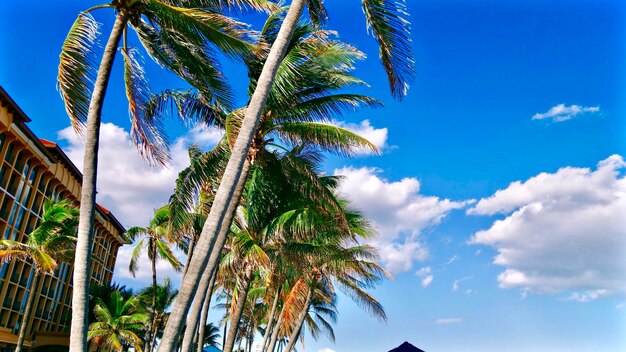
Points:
[(266, 236)]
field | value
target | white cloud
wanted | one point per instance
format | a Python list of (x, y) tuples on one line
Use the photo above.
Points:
[(127, 185), (588, 295), (130, 187), (452, 260), (426, 275), (561, 232), (143, 276), (562, 112), (376, 136), (446, 321), (399, 212), (456, 283)]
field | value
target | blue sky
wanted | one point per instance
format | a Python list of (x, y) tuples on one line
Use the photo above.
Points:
[(536, 266)]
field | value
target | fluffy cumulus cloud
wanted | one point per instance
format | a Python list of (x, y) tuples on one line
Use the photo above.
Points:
[(562, 112), (399, 211), (130, 187), (126, 183), (377, 136), (562, 232)]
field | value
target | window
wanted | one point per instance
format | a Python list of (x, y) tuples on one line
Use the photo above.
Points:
[(10, 155)]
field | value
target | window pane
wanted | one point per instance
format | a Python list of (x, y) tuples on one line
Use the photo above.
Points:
[(10, 155)]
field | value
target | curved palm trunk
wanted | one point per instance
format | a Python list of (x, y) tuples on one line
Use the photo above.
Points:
[(235, 319), (150, 341), (225, 331), (293, 338), (192, 318), (205, 312), (276, 331), (270, 320), (82, 260), (207, 242), (28, 310), (189, 254)]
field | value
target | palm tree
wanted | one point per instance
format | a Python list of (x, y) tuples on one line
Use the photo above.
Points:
[(105, 292), (386, 20), (52, 241), (156, 239), (211, 337), (175, 33), (118, 323), (299, 109), (165, 296)]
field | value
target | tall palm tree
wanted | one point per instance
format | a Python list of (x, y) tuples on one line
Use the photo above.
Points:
[(329, 256), (165, 296), (305, 100), (175, 33), (386, 19), (119, 323), (156, 239), (52, 241)]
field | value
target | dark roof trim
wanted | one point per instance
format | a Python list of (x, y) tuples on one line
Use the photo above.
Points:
[(20, 113)]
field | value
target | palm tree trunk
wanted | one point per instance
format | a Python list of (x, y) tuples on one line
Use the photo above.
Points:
[(194, 325), (28, 310), (192, 318), (205, 312), (189, 254), (235, 319), (82, 260), (270, 320), (239, 346), (152, 337), (219, 211), (293, 338), (276, 331), (225, 331)]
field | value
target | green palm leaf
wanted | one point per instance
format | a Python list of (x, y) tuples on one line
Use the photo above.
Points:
[(326, 137), (387, 20), (77, 69)]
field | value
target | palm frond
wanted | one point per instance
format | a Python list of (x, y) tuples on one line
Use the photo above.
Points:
[(76, 71), (317, 12), (165, 252), (388, 23), (133, 265), (147, 131), (199, 26), (327, 137), (198, 67)]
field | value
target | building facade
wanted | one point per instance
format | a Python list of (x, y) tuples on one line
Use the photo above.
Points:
[(31, 171)]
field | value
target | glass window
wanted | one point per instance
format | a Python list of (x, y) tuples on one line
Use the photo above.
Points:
[(4, 208), (14, 183), (33, 174), (3, 170), (12, 213), (2, 138), (3, 270), (20, 218), (19, 161), (25, 194), (10, 155), (37, 203), (26, 169)]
